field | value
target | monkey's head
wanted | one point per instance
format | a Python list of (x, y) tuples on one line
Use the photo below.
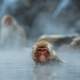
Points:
[(7, 20), (8, 24), (42, 51)]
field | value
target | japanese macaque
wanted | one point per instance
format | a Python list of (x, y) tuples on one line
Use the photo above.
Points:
[(43, 52), (58, 39), (11, 33)]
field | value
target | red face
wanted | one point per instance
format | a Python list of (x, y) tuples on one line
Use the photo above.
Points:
[(8, 21), (42, 54)]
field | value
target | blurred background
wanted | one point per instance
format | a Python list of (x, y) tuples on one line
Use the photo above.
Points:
[(44, 16), (39, 17)]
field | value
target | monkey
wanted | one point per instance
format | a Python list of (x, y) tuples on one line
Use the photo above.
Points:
[(58, 40), (43, 52), (11, 32)]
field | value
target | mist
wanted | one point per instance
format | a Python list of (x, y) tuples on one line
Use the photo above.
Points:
[(45, 17), (61, 6), (40, 17)]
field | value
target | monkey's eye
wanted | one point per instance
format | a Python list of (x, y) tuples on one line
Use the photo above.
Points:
[(42, 49)]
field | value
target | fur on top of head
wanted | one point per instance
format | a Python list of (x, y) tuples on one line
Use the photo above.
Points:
[(43, 43)]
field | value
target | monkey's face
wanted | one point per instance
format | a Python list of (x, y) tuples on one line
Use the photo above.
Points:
[(42, 54), (7, 25), (8, 21)]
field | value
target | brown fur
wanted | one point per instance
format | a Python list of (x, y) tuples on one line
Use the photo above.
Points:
[(45, 44)]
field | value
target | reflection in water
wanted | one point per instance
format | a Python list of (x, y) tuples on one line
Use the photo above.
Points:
[(18, 65), (46, 72)]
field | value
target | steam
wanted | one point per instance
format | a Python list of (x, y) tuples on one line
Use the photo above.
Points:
[(39, 21), (18, 64), (62, 5), (9, 4)]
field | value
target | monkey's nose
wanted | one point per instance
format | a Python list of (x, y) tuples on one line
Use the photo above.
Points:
[(42, 58), (42, 52)]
